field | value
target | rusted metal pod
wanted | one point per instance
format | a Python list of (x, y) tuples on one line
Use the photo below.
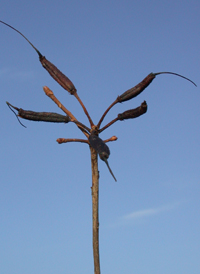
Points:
[(133, 113)]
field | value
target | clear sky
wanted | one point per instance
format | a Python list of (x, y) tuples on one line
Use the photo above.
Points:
[(150, 217)]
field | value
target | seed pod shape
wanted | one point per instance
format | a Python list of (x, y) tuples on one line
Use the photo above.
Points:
[(133, 113), (55, 73), (133, 92), (39, 116), (43, 116)]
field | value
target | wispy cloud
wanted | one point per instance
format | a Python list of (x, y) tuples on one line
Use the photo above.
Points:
[(140, 216), (149, 211)]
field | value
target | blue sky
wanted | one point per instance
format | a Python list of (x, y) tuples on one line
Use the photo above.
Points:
[(149, 219)]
